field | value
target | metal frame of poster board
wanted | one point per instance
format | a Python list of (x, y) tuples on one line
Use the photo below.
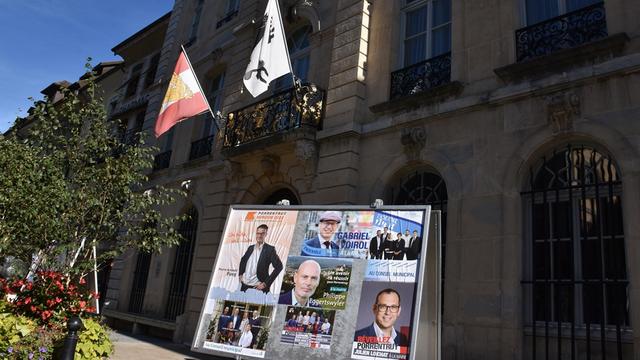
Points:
[(427, 289)]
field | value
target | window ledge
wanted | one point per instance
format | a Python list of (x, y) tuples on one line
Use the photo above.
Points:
[(139, 319), (611, 45), (420, 99)]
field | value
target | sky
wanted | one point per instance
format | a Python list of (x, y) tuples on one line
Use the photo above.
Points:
[(43, 41)]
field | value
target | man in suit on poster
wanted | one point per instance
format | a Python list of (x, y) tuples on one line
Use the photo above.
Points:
[(255, 326), (324, 244), (414, 246), (375, 246), (224, 319), (253, 271), (235, 319), (386, 310)]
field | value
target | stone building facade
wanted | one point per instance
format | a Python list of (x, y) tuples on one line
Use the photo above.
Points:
[(513, 117)]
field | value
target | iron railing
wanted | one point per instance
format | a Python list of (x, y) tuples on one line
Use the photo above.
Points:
[(226, 18), (562, 32), (139, 286), (201, 147), (179, 284), (161, 160), (287, 110), (576, 279), (421, 77)]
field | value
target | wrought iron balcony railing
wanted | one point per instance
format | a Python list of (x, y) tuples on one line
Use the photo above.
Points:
[(562, 32), (226, 18), (161, 160), (421, 77), (201, 147), (280, 113)]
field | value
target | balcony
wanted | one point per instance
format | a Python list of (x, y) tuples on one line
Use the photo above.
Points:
[(161, 160), (269, 119), (202, 147), (567, 31), (421, 77)]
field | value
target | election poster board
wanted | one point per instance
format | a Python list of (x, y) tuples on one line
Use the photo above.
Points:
[(318, 282)]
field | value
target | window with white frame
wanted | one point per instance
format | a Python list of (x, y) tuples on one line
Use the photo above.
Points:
[(214, 97), (426, 30), (536, 11)]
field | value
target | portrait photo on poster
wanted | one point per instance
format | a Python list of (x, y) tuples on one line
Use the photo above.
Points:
[(252, 254), (239, 328), (308, 327), (316, 282), (383, 326)]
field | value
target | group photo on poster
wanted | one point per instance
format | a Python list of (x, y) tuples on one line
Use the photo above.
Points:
[(396, 235), (308, 327), (383, 329), (254, 249), (237, 327), (316, 282)]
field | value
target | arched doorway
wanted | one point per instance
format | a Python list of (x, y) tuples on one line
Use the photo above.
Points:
[(422, 186)]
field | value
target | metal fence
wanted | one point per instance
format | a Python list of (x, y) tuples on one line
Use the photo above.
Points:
[(139, 286), (179, 284), (421, 77)]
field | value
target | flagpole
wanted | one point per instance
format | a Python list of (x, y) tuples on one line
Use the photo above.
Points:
[(200, 87), (293, 77)]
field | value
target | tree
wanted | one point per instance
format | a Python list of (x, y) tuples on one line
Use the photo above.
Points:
[(67, 184)]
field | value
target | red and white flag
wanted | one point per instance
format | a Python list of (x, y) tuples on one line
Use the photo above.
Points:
[(184, 97)]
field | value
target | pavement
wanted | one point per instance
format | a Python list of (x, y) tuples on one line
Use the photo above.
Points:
[(128, 346)]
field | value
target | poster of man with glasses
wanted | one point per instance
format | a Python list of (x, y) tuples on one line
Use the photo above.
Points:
[(383, 328)]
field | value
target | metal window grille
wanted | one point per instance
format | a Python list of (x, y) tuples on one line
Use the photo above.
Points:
[(424, 188), (575, 271), (139, 286), (179, 284)]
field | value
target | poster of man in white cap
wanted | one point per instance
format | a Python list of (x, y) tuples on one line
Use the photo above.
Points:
[(324, 244)]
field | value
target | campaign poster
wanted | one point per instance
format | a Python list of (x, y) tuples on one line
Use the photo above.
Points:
[(308, 327), (383, 325), (239, 328), (254, 248), (316, 282), (362, 234)]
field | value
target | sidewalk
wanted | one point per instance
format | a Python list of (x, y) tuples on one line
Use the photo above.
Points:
[(127, 346)]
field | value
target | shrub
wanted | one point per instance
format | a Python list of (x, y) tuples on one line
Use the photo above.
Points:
[(22, 338), (93, 342)]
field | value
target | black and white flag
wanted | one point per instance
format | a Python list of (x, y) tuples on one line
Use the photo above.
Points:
[(270, 57)]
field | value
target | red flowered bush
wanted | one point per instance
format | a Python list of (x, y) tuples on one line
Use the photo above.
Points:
[(49, 298)]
